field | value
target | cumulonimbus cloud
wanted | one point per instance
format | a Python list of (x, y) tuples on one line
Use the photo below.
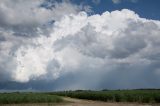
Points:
[(117, 49)]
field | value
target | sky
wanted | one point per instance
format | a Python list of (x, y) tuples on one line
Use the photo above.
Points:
[(50, 45), (144, 8)]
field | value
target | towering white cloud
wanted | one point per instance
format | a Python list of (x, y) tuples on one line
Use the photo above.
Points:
[(20, 21), (116, 50)]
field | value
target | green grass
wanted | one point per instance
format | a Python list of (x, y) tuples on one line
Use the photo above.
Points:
[(15, 98), (139, 96)]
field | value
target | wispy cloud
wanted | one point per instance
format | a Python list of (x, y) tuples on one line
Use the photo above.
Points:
[(119, 1), (116, 1), (96, 1)]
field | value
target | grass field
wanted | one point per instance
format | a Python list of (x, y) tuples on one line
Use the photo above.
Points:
[(15, 98), (139, 96)]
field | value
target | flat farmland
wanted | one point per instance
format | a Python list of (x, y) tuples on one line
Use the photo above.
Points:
[(83, 98)]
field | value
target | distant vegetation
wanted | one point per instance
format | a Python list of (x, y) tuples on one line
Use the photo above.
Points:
[(140, 96), (15, 98)]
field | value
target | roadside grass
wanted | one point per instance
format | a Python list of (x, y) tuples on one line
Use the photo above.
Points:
[(17, 98)]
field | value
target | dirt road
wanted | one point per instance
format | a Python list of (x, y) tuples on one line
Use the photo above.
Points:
[(79, 102)]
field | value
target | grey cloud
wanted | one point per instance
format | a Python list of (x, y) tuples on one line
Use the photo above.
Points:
[(84, 42), (2, 38)]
